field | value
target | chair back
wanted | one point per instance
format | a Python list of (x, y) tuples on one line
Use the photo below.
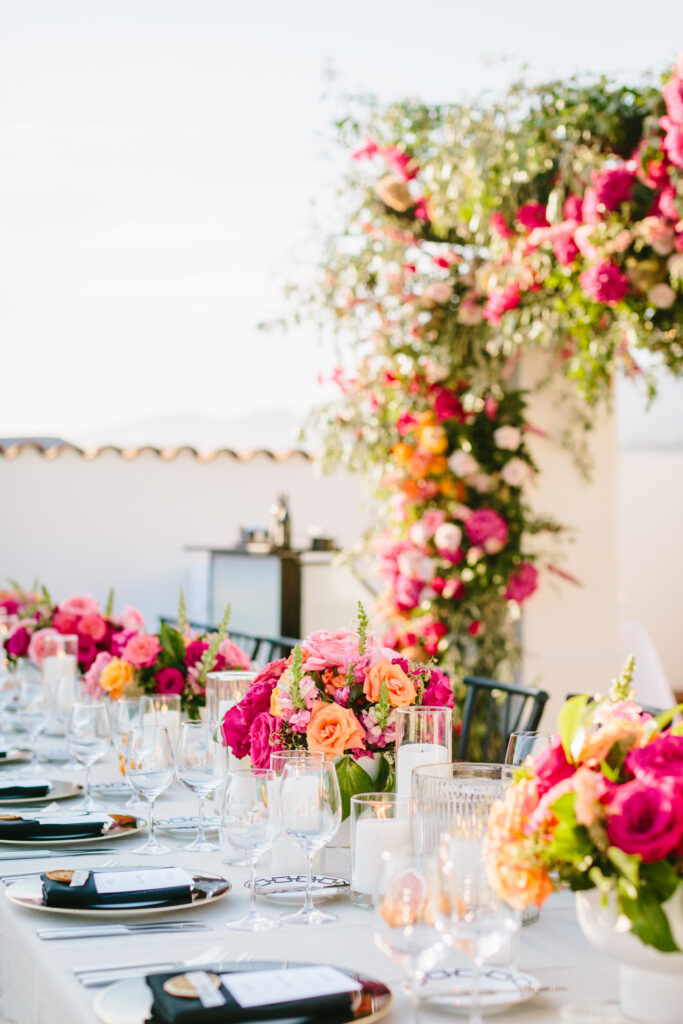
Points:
[(261, 649), (492, 712)]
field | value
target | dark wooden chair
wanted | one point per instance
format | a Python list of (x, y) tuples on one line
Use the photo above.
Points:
[(491, 712), (261, 649)]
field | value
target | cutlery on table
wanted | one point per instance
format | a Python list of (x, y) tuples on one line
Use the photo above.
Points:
[(97, 931), (61, 852), (95, 977)]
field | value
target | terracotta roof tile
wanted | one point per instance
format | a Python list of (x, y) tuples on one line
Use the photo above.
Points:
[(13, 451)]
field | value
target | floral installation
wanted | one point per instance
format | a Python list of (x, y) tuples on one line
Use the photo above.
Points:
[(550, 220), (336, 694), (603, 808), (115, 653)]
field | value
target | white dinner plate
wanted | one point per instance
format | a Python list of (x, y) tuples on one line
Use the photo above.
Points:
[(58, 791), (16, 756), (187, 826), (450, 989), (107, 790), (130, 1001), (28, 892), (291, 889), (116, 832)]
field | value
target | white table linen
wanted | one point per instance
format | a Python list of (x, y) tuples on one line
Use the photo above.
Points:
[(37, 985)]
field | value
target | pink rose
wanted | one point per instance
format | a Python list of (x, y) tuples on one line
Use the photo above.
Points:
[(265, 736), (532, 215), (552, 767), (604, 282), (240, 718), (500, 301), (142, 650), (92, 676), (195, 651), (87, 652), (118, 642), (439, 692), (36, 648), (486, 527), (565, 248), (335, 650), (662, 758), (521, 583), (65, 623), (17, 644), (131, 620), (646, 818), (407, 593), (80, 604), (93, 626), (447, 405), (233, 656), (673, 141), (169, 680), (613, 186)]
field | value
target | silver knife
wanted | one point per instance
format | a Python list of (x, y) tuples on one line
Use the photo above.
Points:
[(95, 931), (63, 851)]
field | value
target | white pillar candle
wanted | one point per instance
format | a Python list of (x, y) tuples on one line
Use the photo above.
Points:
[(58, 666), (412, 755), (170, 719), (375, 836)]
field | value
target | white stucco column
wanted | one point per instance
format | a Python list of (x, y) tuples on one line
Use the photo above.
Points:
[(569, 633)]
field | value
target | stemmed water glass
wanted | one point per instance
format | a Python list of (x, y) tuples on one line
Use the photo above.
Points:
[(251, 821), (88, 734), (468, 912), (310, 803), (526, 744), (404, 926), (150, 769), (127, 714), (200, 765), (33, 711)]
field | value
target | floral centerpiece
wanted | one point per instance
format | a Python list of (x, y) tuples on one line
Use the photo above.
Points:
[(601, 808), (336, 694)]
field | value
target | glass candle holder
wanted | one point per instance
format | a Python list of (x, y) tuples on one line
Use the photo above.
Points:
[(60, 659), (223, 691), (164, 710), (380, 824), (444, 793), (424, 735)]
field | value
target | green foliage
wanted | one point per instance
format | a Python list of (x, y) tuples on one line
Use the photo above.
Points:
[(572, 717), (208, 659), (172, 647), (363, 624), (109, 606), (352, 780), (183, 622), (382, 708), (296, 674), (622, 687)]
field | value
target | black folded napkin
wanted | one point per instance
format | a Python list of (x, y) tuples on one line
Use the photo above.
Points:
[(35, 828), (17, 790), (61, 894), (167, 1009)]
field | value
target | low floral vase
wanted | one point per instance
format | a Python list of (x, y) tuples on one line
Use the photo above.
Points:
[(650, 982)]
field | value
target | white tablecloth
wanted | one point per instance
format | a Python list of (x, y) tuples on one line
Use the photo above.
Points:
[(37, 985)]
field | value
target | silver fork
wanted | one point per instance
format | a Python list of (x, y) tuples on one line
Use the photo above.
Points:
[(95, 977)]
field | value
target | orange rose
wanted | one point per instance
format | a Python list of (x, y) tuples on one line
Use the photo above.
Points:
[(400, 689), (116, 677), (333, 729), (598, 744)]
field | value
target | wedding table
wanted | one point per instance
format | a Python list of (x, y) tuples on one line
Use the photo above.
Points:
[(37, 985)]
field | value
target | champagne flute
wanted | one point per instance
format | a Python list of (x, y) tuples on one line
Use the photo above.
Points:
[(128, 713), (404, 927), (200, 765), (150, 769), (251, 821), (88, 734), (526, 744), (311, 814)]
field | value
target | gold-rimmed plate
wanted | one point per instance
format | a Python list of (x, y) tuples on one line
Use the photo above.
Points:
[(15, 756), (206, 888), (116, 831), (130, 1001), (58, 791)]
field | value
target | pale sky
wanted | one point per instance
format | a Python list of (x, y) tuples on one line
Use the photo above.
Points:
[(160, 164)]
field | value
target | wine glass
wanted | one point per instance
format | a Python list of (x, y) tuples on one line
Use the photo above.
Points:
[(310, 803), (150, 770), (200, 765), (128, 713), (33, 710), (526, 744), (468, 912), (251, 820), (404, 926), (88, 734)]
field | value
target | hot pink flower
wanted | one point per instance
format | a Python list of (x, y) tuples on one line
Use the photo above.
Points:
[(131, 620), (169, 680), (488, 528), (447, 405), (80, 604), (265, 736), (407, 592), (439, 692), (672, 143), (673, 96), (194, 651), (233, 656), (93, 626), (532, 215), (239, 719), (17, 643), (522, 583), (662, 758), (118, 641), (500, 301), (36, 648), (142, 650), (613, 186), (499, 226), (87, 652), (92, 676), (572, 207), (551, 767), (565, 248), (646, 818), (367, 150), (401, 163), (604, 282), (65, 622)]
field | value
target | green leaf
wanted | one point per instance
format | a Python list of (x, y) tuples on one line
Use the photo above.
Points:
[(571, 718), (352, 779), (172, 645), (648, 920), (386, 777), (627, 864), (665, 717), (569, 844), (563, 809), (660, 876)]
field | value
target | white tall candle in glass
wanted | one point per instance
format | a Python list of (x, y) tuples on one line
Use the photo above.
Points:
[(373, 837), (58, 666), (412, 755)]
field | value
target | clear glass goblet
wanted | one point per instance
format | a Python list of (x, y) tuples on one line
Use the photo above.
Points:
[(201, 766), (126, 714), (526, 744), (150, 768), (251, 821), (88, 735)]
